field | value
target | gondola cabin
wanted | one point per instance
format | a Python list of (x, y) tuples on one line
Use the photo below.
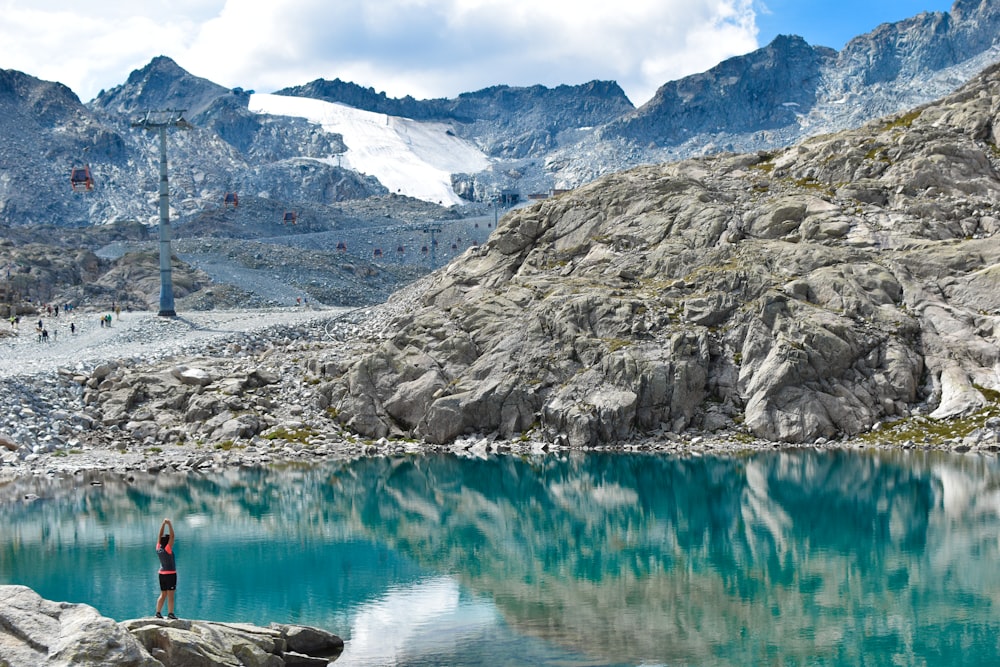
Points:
[(290, 218), (377, 252), (232, 200), (401, 250), (341, 247), (80, 179)]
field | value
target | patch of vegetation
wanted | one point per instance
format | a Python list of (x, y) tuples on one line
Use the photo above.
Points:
[(809, 182), (615, 344), (924, 429), (743, 438), (877, 154), (301, 435), (225, 445), (155, 450), (904, 121)]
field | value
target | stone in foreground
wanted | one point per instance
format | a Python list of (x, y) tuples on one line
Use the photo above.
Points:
[(35, 632)]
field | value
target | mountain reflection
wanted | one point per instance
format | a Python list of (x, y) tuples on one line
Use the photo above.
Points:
[(795, 557)]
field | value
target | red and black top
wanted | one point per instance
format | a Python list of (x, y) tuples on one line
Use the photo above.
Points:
[(166, 554)]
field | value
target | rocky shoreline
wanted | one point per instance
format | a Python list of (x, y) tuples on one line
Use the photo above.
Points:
[(257, 398), (841, 293), (35, 631)]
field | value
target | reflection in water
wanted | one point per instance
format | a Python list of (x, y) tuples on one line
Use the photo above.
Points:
[(799, 557)]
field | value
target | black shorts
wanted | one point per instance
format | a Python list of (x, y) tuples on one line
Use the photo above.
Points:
[(168, 582)]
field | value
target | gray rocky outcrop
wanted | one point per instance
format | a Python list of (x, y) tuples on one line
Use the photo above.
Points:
[(35, 632), (804, 294)]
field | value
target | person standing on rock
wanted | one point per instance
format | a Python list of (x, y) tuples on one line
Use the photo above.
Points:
[(168, 569)]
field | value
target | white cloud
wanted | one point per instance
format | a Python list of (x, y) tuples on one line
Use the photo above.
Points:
[(424, 48)]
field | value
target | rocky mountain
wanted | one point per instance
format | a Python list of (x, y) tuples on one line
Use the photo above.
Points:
[(537, 138), (790, 90), (803, 294), (533, 140)]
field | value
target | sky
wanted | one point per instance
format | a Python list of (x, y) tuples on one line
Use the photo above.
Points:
[(423, 48)]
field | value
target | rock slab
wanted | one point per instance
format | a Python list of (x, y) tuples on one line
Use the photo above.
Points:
[(36, 632)]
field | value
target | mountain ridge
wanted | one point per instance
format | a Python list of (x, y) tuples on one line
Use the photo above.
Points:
[(539, 139)]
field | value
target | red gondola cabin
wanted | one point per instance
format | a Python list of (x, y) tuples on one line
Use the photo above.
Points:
[(290, 218), (80, 179), (232, 199)]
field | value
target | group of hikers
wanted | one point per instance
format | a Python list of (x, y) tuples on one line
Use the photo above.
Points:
[(47, 332)]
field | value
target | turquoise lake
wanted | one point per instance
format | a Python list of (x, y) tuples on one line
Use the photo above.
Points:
[(796, 557)]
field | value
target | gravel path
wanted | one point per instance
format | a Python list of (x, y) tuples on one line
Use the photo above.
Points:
[(142, 336)]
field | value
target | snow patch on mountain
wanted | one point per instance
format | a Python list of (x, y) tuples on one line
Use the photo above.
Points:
[(407, 156)]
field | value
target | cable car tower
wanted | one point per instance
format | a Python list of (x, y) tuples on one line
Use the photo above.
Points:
[(159, 121)]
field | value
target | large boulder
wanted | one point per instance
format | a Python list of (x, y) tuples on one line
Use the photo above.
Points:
[(211, 644), (36, 632)]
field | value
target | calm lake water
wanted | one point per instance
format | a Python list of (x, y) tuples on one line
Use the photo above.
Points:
[(792, 558)]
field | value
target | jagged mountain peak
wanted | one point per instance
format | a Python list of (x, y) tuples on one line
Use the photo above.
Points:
[(966, 9), (27, 100), (162, 84), (762, 90)]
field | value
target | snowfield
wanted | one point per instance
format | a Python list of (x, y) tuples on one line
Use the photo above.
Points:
[(407, 156)]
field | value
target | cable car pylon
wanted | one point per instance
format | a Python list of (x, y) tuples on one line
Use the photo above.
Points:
[(160, 121)]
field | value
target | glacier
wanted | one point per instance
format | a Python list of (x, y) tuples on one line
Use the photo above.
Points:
[(408, 157)]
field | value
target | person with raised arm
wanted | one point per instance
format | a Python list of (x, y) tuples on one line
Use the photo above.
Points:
[(168, 569)]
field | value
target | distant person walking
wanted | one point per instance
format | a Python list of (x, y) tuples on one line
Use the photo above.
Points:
[(168, 569)]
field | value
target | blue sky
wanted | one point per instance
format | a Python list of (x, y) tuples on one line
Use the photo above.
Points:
[(834, 24), (423, 48)]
